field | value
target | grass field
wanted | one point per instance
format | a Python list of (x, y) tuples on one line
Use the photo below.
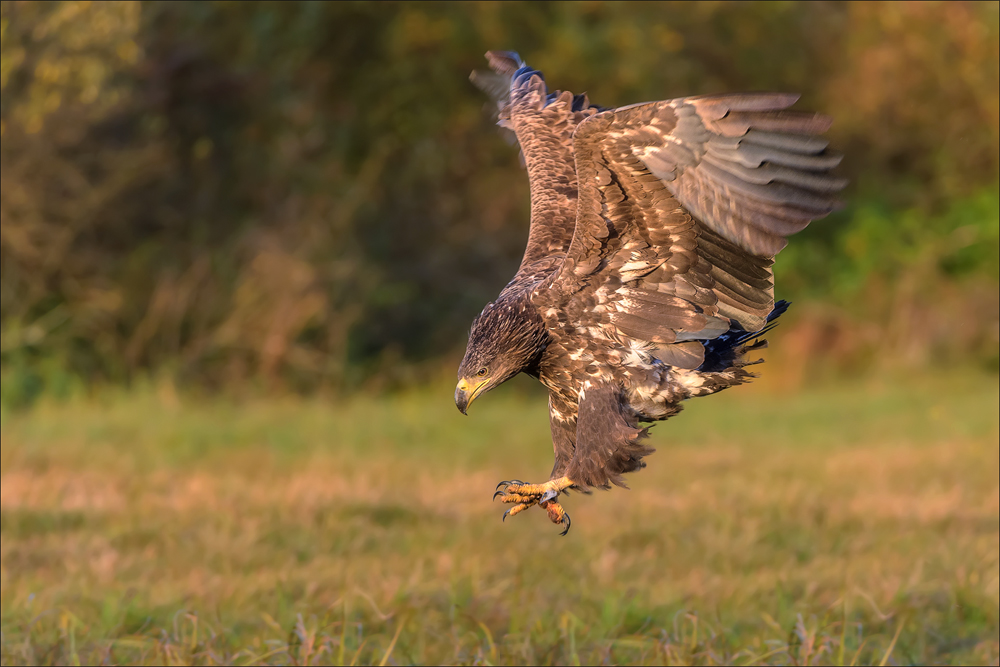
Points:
[(849, 524)]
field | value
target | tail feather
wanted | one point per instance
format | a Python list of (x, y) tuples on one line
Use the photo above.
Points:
[(726, 351), (779, 309)]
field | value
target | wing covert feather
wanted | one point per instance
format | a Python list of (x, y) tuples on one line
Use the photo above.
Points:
[(689, 200)]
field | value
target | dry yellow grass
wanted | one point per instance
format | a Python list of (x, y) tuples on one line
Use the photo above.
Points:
[(768, 528)]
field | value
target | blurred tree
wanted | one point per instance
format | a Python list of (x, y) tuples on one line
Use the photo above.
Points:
[(287, 192)]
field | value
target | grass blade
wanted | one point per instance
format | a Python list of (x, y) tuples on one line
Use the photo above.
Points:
[(892, 645), (392, 644)]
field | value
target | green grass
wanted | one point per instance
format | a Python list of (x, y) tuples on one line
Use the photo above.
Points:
[(848, 524)]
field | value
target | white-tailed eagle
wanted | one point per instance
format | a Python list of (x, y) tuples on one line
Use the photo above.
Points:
[(647, 276)]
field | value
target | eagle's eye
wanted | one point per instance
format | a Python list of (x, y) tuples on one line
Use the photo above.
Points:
[(482, 372)]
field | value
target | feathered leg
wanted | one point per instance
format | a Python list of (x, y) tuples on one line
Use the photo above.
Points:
[(608, 439), (603, 446)]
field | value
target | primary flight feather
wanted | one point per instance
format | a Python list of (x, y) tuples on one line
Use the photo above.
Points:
[(647, 275)]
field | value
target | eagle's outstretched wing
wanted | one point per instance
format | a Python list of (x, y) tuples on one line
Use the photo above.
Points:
[(682, 206), (544, 124)]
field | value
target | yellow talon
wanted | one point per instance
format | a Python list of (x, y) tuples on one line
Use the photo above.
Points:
[(517, 498), (555, 511), (556, 485), (544, 495), (516, 509)]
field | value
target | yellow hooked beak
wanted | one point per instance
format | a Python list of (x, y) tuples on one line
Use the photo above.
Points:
[(466, 392)]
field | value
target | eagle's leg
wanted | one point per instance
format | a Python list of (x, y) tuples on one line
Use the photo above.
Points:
[(608, 439), (524, 496)]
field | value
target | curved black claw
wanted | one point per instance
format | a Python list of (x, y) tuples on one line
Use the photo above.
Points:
[(551, 494), (509, 482), (569, 523), (505, 515), (498, 493)]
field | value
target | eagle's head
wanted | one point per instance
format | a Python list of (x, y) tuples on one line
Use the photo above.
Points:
[(507, 338)]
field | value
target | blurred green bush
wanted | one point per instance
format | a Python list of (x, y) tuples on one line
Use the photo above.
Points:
[(296, 196)]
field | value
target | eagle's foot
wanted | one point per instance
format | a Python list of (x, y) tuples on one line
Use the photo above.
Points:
[(524, 496)]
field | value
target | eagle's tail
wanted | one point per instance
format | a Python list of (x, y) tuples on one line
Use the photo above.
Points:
[(728, 351), (779, 309)]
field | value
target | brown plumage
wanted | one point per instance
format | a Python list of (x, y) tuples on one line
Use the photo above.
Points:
[(647, 274)]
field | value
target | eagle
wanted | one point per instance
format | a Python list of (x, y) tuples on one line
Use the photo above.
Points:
[(647, 277)]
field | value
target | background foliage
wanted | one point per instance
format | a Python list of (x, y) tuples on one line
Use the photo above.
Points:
[(311, 195), (207, 205)]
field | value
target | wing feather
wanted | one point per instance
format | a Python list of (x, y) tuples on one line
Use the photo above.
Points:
[(682, 206), (543, 124)]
